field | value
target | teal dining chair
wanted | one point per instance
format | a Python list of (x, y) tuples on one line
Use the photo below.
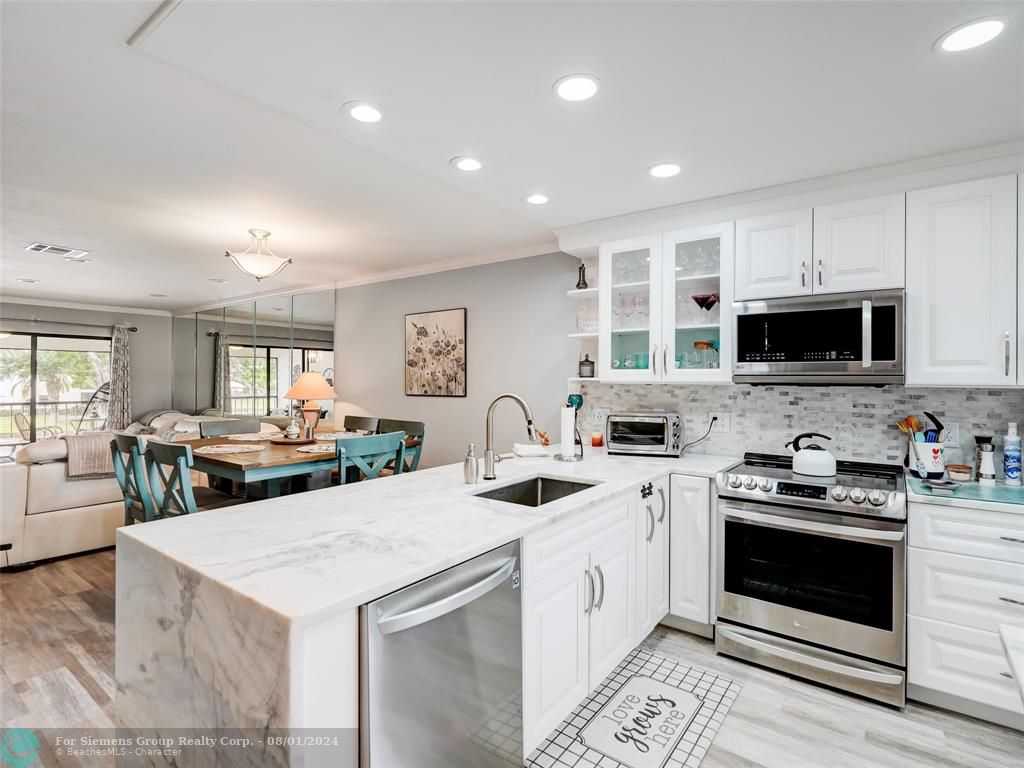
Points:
[(173, 493), (228, 427), (130, 472), (368, 456), (361, 424), (414, 431)]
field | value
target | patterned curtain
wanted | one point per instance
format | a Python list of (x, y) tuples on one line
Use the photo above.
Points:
[(119, 412), (221, 373)]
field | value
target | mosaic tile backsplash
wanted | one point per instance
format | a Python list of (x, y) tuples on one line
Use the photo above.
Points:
[(861, 420)]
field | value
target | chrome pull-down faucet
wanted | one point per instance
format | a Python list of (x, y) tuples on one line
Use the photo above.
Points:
[(489, 458)]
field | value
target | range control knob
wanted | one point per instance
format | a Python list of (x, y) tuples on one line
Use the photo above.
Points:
[(839, 493), (877, 498), (735, 481), (857, 495), (764, 484), (750, 483)]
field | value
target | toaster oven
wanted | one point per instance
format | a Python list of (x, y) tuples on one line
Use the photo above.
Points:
[(644, 434)]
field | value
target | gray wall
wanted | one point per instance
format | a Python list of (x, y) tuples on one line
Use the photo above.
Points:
[(517, 319), (150, 346)]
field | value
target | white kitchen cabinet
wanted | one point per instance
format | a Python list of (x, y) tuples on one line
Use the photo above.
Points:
[(652, 528), (690, 548), (629, 310), (613, 567), (961, 308), (556, 632), (773, 255), (860, 245), (697, 263)]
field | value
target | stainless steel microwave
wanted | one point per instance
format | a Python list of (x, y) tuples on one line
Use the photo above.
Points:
[(842, 338), (644, 434)]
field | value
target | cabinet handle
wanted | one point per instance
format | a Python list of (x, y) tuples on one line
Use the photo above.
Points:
[(1012, 601), (1006, 351), (820, 270), (590, 592), (1011, 539), (803, 274), (600, 578), (650, 523), (661, 492), (664, 360), (654, 359)]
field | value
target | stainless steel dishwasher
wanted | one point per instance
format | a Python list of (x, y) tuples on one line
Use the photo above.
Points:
[(441, 669)]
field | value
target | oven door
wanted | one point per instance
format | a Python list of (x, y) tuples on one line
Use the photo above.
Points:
[(840, 338), (833, 580), (637, 434)]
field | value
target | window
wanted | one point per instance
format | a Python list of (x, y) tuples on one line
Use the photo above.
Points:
[(260, 377), (52, 385)]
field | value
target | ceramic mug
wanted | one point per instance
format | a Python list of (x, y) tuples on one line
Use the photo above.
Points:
[(929, 461)]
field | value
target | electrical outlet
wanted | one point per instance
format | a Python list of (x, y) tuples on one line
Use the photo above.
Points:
[(724, 424), (952, 434)]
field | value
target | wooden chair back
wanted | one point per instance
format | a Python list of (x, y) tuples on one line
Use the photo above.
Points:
[(130, 471), (228, 427), (414, 429), (371, 454), (172, 490), (365, 423)]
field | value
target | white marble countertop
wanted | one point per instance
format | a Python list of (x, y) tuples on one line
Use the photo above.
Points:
[(313, 554), (1013, 645), (994, 505)]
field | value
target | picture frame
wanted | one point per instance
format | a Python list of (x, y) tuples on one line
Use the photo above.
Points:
[(435, 362)]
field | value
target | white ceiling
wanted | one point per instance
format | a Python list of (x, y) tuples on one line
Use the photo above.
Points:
[(127, 153)]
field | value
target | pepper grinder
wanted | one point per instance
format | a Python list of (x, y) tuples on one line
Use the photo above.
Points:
[(987, 467)]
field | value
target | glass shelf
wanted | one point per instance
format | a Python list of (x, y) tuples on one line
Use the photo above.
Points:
[(698, 278)]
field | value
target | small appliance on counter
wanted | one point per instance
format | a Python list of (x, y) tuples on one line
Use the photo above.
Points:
[(644, 434)]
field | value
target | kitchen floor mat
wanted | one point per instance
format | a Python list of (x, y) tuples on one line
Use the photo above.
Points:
[(650, 712)]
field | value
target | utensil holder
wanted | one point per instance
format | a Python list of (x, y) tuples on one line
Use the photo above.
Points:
[(928, 460)]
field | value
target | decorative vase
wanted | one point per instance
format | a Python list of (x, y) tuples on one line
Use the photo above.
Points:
[(581, 284), (586, 368)]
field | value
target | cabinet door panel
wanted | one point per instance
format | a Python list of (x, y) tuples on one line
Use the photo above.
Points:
[(629, 310), (652, 526), (961, 284), (690, 548), (773, 255), (860, 245), (612, 620), (555, 650)]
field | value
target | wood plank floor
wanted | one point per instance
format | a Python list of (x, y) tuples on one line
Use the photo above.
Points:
[(57, 670)]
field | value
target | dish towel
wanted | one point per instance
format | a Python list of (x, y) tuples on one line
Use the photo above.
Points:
[(89, 456), (529, 449)]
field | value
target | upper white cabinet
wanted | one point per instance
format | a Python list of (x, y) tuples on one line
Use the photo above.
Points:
[(629, 310), (860, 245), (962, 284), (773, 255)]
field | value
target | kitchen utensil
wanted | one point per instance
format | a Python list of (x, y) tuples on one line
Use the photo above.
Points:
[(811, 459)]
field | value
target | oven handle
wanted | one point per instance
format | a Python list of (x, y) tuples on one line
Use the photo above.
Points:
[(865, 334), (812, 527), (811, 661)]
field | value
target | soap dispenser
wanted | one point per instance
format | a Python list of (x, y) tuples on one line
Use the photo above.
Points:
[(471, 466)]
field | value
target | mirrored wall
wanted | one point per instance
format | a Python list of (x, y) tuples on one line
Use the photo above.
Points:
[(241, 359)]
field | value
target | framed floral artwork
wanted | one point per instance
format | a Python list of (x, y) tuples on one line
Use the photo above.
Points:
[(435, 353)]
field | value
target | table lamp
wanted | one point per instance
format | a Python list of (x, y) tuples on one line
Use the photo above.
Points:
[(311, 386)]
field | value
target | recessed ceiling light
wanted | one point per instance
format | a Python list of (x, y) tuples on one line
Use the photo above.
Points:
[(217, 280), (158, 295), (536, 199), (363, 111), (970, 35), (467, 163), (27, 280), (577, 87), (663, 170), (77, 259)]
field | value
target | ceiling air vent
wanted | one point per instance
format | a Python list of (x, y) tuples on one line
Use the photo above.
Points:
[(55, 250)]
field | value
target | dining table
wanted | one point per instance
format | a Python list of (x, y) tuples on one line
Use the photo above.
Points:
[(271, 464)]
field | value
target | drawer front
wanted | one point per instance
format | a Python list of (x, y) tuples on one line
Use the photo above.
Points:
[(997, 535), (960, 662), (550, 549), (969, 591)]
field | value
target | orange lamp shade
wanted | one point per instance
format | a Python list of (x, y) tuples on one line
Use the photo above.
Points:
[(311, 386)]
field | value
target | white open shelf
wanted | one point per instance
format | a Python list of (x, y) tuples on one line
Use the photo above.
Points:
[(583, 378), (582, 292), (697, 326), (583, 335)]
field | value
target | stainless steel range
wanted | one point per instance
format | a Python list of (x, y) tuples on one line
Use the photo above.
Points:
[(812, 573)]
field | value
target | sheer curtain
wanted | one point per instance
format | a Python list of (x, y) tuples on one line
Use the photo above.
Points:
[(119, 412)]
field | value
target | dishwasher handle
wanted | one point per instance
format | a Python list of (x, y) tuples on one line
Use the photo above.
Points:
[(438, 608)]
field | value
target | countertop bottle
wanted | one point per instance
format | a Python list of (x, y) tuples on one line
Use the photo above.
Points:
[(1011, 455), (471, 466), (987, 465)]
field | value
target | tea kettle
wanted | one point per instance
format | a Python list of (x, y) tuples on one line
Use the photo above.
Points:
[(811, 459)]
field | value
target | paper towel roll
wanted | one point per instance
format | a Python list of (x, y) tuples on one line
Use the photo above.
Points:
[(568, 431)]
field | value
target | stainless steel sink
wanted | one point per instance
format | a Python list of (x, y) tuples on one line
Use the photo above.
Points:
[(536, 491)]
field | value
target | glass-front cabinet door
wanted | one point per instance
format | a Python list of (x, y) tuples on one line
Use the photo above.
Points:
[(696, 306), (630, 311)]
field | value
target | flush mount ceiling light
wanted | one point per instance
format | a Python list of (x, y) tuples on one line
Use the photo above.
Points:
[(970, 35), (258, 260), (578, 87), (663, 170), (536, 199), (363, 111), (467, 163)]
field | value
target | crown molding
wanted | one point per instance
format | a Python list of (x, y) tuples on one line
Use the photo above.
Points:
[(84, 307)]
